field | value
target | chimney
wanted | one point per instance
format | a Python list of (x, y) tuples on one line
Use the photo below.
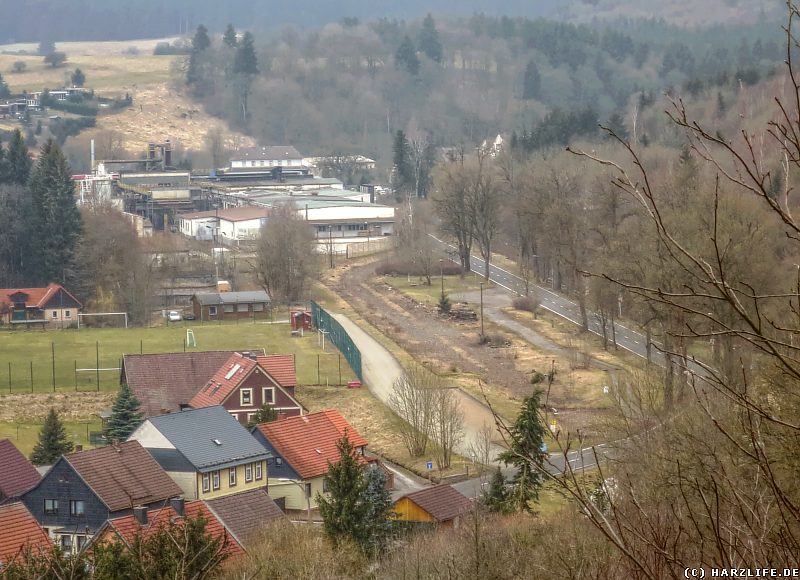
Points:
[(177, 504), (140, 513), (78, 447)]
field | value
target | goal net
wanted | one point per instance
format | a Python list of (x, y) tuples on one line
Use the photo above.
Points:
[(103, 320)]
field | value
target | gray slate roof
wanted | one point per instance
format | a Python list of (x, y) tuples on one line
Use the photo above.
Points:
[(267, 153), (216, 298), (194, 433)]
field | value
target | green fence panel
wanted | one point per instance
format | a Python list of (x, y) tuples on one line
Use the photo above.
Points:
[(334, 332)]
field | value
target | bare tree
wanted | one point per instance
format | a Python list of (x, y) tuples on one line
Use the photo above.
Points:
[(448, 426), (451, 202), (413, 400), (480, 448), (483, 203)]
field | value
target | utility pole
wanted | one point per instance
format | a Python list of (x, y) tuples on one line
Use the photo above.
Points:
[(441, 276), (481, 309)]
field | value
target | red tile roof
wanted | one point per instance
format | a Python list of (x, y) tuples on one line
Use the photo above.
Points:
[(162, 382), (127, 527), (37, 297), (442, 502), (19, 529), (124, 475), (236, 369), (17, 474), (308, 442), (245, 514), (281, 368)]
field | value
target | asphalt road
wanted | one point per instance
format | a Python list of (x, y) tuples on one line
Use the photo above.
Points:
[(628, 339)]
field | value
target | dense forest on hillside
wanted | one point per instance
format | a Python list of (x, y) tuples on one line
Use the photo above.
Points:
[(348, 87), (35, 20)]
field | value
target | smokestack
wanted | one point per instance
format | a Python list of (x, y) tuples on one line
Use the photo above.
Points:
[(140, 513)]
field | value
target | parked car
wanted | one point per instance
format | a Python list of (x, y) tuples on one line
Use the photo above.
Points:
[(174, 316), (189, 316)]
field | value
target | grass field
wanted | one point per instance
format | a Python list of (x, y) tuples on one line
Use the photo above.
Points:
[(25, 434), (21, 351), (454, 287)]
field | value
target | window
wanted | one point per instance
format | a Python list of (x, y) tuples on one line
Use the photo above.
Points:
[(227, 308), (51, 506), (215, 479), (258, 471), (241, 307), (268, 394), (206, 483), (81, 542), (248, 473), (76, 507), (325, 485), (308, 490), (258, 307), (212, 310), (232, 477), (250, 416), (66, 544), (55, 313), (278, 461), (246, 396), (67, 314)]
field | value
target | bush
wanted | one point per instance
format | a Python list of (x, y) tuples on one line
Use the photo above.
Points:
[(537, 378), (178, 47), (398, 267), (527, 303), (444, 304)]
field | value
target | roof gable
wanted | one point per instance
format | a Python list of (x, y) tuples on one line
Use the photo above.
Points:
[(442, 502), (210, 438), (245, 514), (19, 529), (307, 443), (17, 474), (34, 297), (123, 476), (162, 382), (237, 369)]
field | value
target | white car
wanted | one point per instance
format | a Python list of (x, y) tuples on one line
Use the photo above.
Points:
[(174, 316)]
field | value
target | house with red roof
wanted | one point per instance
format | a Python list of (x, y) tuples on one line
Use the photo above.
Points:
[(19, 531), (50, 305), (247, 381), (302, 448), (144, 523), (17, 474)]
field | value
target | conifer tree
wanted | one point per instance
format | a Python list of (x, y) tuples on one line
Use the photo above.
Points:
[(429, 42), (200, 42), (229, 38), (531, 82), (53, 441), (344, 511), (19, 160), (125, 415), (402, 160), (526, 452), (495, 497), (378, 521), (5, 92), (55, 212), (406, 57), (246, 62), (265, 414)]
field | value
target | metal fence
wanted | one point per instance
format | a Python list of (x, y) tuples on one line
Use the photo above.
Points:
[(338, 336)]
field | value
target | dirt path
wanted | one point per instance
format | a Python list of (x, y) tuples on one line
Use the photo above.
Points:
[(381, 369)]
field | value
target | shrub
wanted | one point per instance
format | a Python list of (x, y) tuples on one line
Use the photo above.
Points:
[(444, 304), (399, 267), (524, 303), (537, 378)]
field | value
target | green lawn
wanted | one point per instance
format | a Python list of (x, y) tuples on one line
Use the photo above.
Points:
[(23, 350), (25, 435)]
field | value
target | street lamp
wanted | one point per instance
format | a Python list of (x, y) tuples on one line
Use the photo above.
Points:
[(481, 309)]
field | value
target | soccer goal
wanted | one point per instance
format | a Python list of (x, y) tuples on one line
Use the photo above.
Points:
[(102, 319)]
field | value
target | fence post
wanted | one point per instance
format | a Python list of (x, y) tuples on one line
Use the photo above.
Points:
[(53, 358), (339, 356), (141, 346), (97, 363), (9, 377), (319, 381), (75, 365), (31, 376)]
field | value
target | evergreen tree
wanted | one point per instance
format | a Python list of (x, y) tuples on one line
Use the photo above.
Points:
[(266, 414), (406, 57), (125, 415), (429, 40), (78, 78), (46, 46), (200, 43), (402, 161), (617, 124), (54, 211), (496, 496), (19, 160), (246, 62), (5, 167), (344, 510), (526, 453), (5, 92), (359, 508), (531, 82), (378, 520), (229, 38), (52, 443)]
